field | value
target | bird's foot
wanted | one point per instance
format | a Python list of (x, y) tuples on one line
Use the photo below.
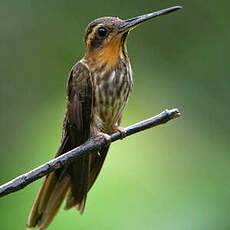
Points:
[(106, 136), (121, 130)]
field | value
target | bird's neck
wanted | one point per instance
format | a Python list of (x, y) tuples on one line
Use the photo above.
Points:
[(108, 56)]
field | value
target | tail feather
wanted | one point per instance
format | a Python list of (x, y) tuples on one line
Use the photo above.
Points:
[(96, 164), (84, 176), (79, 172), (55, 201), (48, 201), (77, 180)]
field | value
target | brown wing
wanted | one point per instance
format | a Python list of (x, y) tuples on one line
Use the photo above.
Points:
[(83, 172), (74, 178), (77, 131), (76, 127)]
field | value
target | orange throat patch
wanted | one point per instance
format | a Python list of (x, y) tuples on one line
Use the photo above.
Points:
[(109, 55)]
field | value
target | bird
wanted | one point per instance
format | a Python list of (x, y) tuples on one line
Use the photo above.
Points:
[(98, 89)]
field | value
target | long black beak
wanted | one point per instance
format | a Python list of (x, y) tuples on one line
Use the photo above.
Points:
[(136, 21)]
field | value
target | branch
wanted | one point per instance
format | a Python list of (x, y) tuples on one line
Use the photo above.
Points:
[(92, 145)]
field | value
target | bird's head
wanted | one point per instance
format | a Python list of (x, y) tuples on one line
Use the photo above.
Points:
[(105, 37)]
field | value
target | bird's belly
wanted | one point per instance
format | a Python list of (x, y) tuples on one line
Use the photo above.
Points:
[(110, 97)]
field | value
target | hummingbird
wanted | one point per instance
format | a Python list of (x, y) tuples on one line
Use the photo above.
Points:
[(98, 89)]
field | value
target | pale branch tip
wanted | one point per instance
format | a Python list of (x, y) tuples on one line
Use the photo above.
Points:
[(92, 145)]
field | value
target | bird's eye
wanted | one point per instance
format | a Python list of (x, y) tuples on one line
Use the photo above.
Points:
[(102, 32)]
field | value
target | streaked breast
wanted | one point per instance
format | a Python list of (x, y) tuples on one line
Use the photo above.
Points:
[(111, 93)]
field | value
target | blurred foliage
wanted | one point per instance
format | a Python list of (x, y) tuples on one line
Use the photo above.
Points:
[(171, 177)]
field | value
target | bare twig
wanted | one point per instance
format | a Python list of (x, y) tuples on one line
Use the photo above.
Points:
[(90, 146)]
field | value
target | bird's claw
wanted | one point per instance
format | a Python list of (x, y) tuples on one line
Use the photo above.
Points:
[(121, 130), (106, 136)]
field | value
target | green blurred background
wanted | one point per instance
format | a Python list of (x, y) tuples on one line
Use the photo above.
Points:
[(174, 176)]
